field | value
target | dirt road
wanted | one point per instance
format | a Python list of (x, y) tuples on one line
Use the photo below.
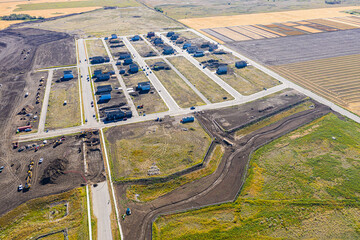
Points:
[(222, 186)]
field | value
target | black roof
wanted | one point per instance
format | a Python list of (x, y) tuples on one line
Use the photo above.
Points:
[(104, 87), (143, 84)]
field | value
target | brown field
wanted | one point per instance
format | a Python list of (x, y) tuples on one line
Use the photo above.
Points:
[(328, 22), (259, 31), (308, 29), (231, 34), (346, 21), (246, 32), (264, 18), (335, 78)]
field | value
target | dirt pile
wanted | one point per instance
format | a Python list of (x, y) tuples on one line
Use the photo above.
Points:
[(55, 169)]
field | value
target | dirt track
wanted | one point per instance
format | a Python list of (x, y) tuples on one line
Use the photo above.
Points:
[(222, 186)]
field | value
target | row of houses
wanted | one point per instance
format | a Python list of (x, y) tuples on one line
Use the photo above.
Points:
[(99, 59), (223, 69)]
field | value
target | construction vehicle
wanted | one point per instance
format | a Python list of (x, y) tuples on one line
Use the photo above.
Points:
[(128, 211), (15, 145), (27, 186), (20, 188)]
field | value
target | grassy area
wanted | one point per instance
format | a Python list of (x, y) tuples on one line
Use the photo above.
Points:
[(123, 21), (76, 4), (166, 145), (211, 90), (58, 114), (303, 185), (273, 119), (153, 191), (179, 90), (46, 215), (248, 80), (95, 48), (152, 101)]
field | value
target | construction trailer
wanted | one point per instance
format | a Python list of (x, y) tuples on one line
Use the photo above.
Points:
[(133, 68), (143, 87), (167, 50), (135, 38), (116, 114), (222, 69), (104, 98), (169, 34), (103, 89), (124, 56), (24, 128), (240, 64), (199, 54), (128, 61), (187, 119)]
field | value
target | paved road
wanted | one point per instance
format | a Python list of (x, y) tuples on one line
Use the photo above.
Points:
[(163, 92), (87, 96), (45, 103), (102, 210)]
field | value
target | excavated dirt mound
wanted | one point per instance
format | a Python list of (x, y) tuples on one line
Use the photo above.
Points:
[(53, 171)]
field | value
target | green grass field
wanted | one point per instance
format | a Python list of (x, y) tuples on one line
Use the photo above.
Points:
[(58, 114), (211, 90), (167, 145), (153, 191), (46, 215), (303, 185), (76, 4), (179, 90)]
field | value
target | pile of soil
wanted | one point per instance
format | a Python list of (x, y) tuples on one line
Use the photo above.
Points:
[(27, 109), (55, 169)]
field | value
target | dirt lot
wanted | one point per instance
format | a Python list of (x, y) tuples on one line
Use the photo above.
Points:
[(151, 101), (60, 115), (30, 113), (221, 186), (143, 48), (95, 48), (138, 148), (117, 48), (277, 51), (62, 168), (233, 118)]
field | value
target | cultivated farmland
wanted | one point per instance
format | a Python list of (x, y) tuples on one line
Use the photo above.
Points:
[(337, 79), (211, 90)]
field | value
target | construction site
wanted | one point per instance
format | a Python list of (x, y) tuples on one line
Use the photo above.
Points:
[(124, 130)]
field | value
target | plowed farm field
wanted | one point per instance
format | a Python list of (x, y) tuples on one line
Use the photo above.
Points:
[(336, 79)]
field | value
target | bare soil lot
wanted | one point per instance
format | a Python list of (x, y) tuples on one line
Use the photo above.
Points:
[(166, 147), (143, 48), (95, 48), (151, 101), (62, 168), (277, 51), (116, 48)]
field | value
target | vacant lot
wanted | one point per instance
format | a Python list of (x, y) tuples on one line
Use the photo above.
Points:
[(60, 115), (134, 149), (95, 48), (62, 212), (143, 48), (246, 80), (151, 101), (302, 185), (152, 191), (277, 51), (211, 90), (179, 90), (123, 21), (334, 78)]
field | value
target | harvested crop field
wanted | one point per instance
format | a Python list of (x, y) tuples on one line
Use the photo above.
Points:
[(336, 79), (295, 49), (138, 150), (264, 18), (179, 90), (253, 32), (211, 90)]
